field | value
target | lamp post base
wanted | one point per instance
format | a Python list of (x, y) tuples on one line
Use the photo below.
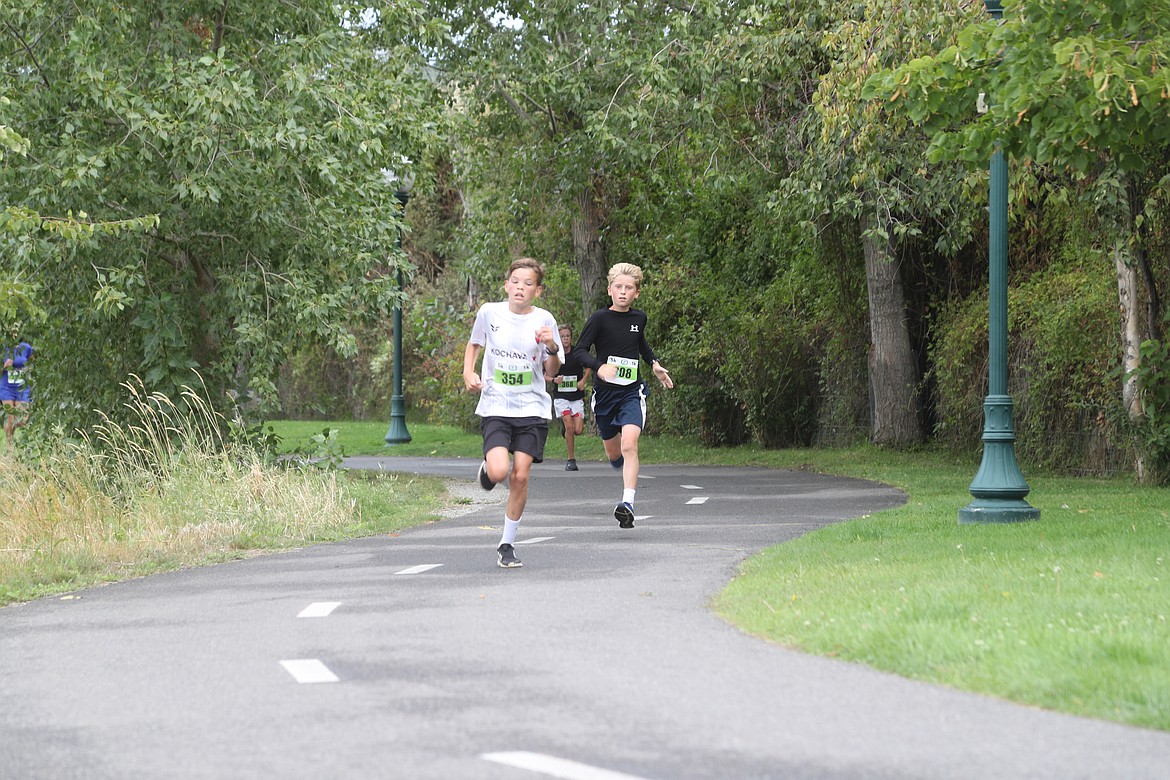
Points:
[(999, 487), (998, 510), (397, 433)]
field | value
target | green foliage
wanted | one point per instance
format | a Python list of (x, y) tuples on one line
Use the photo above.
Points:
[(1065, 84), (322, 450), (867, 152), (11, 140), (1079, 88), (1062, 347), (318, 383), (733, 316), (435, 337), (260, 145), (565, 107), (1153, 429), (17, 223)]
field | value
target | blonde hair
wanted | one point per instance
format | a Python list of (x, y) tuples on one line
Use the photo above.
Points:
[(626, 269), (529, 263)]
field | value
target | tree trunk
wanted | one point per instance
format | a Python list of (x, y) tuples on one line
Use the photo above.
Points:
[(1139, 230), (473, 300), (1127, 296), (1131, 340), (588, 253), (893, 375)]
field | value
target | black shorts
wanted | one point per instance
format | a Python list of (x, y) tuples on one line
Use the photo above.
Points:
[(518, 434)]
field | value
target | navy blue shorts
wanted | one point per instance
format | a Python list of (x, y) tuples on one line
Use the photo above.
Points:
[(612, 411), (518, 434), (11, 391)]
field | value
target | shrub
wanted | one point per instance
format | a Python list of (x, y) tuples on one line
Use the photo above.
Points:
[(1061, 348)]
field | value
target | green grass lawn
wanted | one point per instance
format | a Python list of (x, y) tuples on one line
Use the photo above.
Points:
[(1067, 613)]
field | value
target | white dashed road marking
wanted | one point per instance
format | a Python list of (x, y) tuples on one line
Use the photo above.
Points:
[(698, 500), (690, 487), (535, 539), (555, 767), (319, 609), (420, 568), (309, 670)]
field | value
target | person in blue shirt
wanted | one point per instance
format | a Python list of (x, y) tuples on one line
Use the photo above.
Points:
[(15, 389)]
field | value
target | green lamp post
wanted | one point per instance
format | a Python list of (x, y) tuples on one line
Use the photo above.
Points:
[(398, 433), (999, 487)]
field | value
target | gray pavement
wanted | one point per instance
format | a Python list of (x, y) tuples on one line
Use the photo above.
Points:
[(414, 656)]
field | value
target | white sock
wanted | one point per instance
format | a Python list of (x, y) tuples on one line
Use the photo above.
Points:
[(510, 528), (628, 496)]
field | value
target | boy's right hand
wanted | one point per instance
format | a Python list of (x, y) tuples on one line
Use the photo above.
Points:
[(608, 372), (472, 382)]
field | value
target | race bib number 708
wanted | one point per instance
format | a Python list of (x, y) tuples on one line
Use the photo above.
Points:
[(627, 370)]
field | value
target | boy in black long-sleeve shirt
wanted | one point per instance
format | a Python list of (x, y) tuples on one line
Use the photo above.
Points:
[(568, 395), (617, 336)]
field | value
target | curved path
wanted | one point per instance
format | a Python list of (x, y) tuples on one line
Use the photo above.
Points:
[(414, 656)]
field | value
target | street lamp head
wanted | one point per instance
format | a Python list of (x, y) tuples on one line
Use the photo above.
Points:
[(404, 184), (401, 178)]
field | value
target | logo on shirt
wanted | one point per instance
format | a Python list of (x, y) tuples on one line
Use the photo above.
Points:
[(633, 329), (495, 328), (511, 354)]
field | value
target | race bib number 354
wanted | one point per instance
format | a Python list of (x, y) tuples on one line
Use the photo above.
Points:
[(513, 377)]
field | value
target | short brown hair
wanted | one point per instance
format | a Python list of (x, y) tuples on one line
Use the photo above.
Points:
[(530, 264), (628, 269)]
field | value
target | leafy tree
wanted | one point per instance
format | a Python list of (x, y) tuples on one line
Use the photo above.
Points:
[(257, 132), (1082, 88), (565, 102), (16, 296), (857, 168), (593, 112)]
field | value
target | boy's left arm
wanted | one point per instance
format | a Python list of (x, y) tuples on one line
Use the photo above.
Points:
[(662, 374), (551, 340)]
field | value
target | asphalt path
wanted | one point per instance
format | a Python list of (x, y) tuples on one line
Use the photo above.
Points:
[(415, 656)]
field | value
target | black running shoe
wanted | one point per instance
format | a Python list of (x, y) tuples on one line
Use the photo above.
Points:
[(624, 512), (617, 464), (507, 557), (571, 465), (485, 482)]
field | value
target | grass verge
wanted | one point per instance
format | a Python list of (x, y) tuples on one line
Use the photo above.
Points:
[(167, 493), (1068, 613)]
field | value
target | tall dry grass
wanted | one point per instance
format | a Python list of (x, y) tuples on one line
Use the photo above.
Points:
[(163, 491)]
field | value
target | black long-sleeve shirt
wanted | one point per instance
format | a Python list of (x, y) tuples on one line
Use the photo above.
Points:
[(614, 336)]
